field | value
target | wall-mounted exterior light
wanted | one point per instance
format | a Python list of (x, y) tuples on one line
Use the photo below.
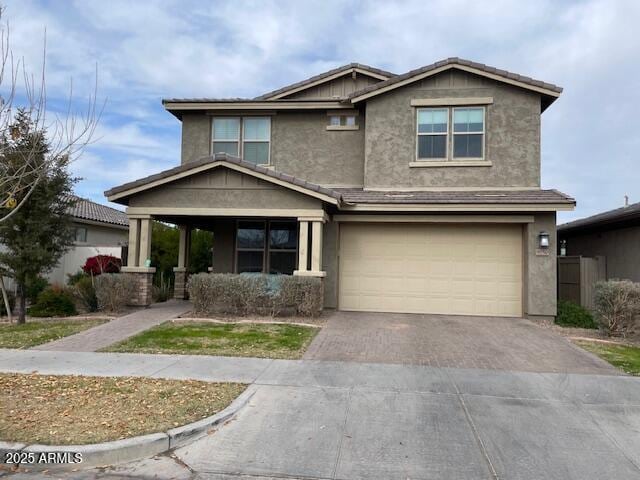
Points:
[(543, 239)]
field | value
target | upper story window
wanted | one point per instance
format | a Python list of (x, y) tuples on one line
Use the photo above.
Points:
[(450, 133), (468, 132), (433, 128), (342, 121), (246, 137)]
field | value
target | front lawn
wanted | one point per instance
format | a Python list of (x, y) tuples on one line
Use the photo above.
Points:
[(37, 332), (233, 339), (625, 357), (68, 410)]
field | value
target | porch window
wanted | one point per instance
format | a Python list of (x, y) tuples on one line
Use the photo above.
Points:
[(226, 135), (266, 246)]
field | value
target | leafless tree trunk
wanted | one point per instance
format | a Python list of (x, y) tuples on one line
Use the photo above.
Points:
[(68, 133)]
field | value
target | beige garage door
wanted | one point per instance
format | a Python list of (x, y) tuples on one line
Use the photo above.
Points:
[(431, 268)]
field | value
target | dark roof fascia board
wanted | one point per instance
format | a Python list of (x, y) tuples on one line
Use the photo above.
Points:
[(222, 160), (547, 89), (613, 219), (325, 77)]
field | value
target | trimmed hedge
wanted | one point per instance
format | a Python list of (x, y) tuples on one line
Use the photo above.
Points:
[(113, 291), (573, 315), (617, 305), (53, 302), (250, 294)]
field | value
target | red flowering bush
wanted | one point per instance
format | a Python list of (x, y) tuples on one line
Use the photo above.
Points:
[(102, 264)]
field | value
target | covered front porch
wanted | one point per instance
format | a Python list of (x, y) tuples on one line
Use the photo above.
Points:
[(262, 221), (285, 243)]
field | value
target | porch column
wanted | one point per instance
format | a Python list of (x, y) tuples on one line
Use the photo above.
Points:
[(134, 233), (180, 281), (303, 241), (139, 253), (145, 242), (316, 247)]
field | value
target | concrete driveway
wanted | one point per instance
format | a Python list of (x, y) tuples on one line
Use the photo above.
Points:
[(351, 421), (494, 343)]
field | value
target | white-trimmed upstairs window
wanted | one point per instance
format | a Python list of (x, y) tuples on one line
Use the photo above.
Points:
[(256, 136), (226, 135), (433, 129), (245, 137), (468, 132)]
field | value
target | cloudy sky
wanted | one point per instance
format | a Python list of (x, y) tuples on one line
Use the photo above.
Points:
[(149, 50)]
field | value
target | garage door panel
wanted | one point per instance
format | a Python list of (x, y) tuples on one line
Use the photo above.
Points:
[(444, 269)]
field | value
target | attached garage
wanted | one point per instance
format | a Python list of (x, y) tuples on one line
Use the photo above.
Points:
[(464, 269)]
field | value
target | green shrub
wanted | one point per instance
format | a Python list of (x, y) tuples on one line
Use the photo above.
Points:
[(617, 305), (573, 315), (113, 291), (53, 302), (85, 293), (260, 294), (73, 278), (34, 287)]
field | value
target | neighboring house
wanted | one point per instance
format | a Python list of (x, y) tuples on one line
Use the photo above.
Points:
[(614, 235), (415, 193), (99, 230)]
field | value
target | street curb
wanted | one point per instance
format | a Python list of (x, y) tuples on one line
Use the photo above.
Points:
[(128, 449)]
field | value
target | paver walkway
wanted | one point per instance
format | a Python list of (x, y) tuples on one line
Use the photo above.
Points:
[(116, 330), (494, 343)]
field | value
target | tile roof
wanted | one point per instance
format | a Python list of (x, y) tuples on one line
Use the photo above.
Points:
[(359, 196), (457, 61), (615, 216), (87, 210), (223, 157), (326, 74)]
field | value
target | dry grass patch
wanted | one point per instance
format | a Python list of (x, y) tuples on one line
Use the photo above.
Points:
[(68, 410), (37, 332)]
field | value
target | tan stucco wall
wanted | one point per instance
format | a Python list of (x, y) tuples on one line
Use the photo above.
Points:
[(620, 247), (330, 264), (300, 146), (196, 136), (303, 147), (223, 188), (540, 271), (223, 248), (512, 139)]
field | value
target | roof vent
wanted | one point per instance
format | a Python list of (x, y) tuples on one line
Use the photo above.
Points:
[(626, 200)]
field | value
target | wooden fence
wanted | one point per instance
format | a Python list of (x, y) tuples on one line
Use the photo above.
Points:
[(577, 277)]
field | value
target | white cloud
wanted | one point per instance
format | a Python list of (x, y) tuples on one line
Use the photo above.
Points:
[(149, 50)]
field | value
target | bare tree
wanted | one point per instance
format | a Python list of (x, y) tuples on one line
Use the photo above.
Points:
[(68, 132)]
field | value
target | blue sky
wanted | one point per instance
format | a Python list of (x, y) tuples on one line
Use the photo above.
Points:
[(149, 50)]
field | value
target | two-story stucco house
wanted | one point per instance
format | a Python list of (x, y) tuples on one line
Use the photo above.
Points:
[(417, 192)]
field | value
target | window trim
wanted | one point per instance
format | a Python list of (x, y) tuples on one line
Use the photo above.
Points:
[(266, 248), (450, 160), (86, 234), (341, 116), (213, 133), (483, 133), (241, 141), (419, 134)]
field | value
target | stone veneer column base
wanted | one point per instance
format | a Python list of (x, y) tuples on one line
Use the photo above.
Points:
[(180, 283), (143, 285)]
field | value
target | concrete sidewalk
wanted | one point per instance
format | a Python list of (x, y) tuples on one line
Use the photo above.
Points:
[(349, 420), (562, 387), (119, 329)]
